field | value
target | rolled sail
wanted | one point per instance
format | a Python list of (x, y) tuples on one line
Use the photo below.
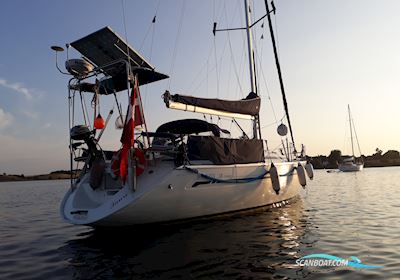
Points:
[(245, 108)]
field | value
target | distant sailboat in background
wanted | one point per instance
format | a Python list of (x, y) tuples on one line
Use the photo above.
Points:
[(351, 164)]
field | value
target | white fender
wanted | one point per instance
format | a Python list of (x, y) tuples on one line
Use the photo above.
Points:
[(310, 170), (301, 175), (273, 172)]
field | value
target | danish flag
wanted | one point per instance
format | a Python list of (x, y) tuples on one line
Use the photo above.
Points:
[(134, 118)]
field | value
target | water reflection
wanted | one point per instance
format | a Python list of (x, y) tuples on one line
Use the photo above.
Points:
[(265, 242), (339, 214)]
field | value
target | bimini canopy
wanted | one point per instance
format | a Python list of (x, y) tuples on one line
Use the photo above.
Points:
[(191, 126), (104, 48), (245, 108)]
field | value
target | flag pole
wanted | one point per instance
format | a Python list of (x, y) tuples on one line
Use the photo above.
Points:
[(141, 109)]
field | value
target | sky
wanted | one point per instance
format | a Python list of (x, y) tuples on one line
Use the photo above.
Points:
[(332, 53)]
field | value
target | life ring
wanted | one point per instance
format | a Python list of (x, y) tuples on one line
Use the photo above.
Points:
[(140, 162)]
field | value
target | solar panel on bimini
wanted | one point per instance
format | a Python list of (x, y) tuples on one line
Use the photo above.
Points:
[(105, 46)]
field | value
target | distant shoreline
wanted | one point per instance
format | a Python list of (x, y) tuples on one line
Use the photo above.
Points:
[(50, 176), (367, 164), (67, 175)]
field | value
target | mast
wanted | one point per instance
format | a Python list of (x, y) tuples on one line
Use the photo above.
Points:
[(351, 130), (250, 47), (251, 63), (279, 70)]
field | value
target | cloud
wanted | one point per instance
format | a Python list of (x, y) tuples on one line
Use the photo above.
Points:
[(5, 118), (47, 125), (18, 87), (30, 114)]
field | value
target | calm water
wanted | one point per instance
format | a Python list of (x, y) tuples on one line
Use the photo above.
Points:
[(341, 214)]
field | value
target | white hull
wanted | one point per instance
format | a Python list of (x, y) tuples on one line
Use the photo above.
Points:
[(169, 194), (351, 167)]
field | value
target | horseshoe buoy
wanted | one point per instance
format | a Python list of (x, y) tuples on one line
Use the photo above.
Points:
[(309, 170), (301, 175), (275, 178), (140, 162)]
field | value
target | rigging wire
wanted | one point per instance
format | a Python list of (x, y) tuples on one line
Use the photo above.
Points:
[(212, 69), (150, 28), (176, 43), (207, 78), (255, 49), (355, 133), (153, 28), (218, 70), (262, 38), (222, 59), (244, 53), (129, 70), (197, 83), (345, 139), (231, 51), (268, 125), (280, 75), (215, 52), (145, 37), (202, 68), (268, 93), (214, 48), (242, 61), (278, 147), (277, 34), (126, 39), (216, 66)]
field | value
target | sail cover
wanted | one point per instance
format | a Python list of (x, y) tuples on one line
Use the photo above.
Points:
[(223, 151), (249, 106)]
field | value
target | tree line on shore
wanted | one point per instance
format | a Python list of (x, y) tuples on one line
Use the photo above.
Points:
[(59, 174), (378, 159)]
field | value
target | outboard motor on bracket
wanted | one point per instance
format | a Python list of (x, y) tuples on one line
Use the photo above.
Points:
[(93, 156), (83, 133)]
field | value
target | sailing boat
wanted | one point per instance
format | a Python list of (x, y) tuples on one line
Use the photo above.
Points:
[(184, 169), (350, 164)]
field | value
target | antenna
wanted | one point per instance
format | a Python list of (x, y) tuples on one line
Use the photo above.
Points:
[(58, 49), (67, 46)]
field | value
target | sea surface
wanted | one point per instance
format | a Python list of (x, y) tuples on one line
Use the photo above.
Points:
[(342, 214)]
